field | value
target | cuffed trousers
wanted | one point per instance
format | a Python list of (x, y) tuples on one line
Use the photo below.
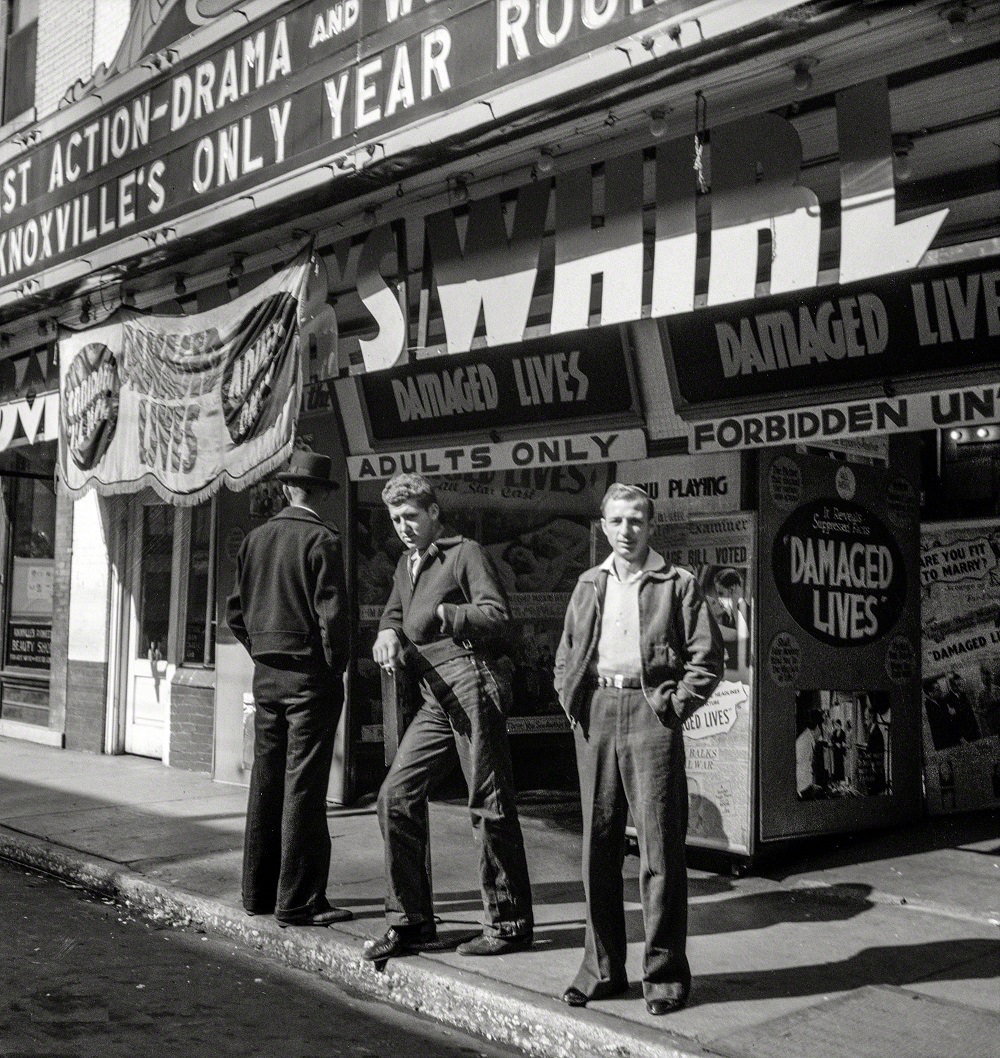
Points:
[(627, 758), (461, 707)]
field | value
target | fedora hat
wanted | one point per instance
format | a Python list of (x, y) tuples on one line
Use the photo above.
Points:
[(308, 468)]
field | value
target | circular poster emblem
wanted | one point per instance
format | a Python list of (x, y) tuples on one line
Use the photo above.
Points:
[(845, 483), (784, 659), (839, 572), (89, 404), (784, 480), (900, 660), (254, 384)]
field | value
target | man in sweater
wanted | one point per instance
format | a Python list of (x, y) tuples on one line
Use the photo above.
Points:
[(445, 611), (288, 608)]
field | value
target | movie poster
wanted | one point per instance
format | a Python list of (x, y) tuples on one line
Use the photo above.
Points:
[(960, 607)]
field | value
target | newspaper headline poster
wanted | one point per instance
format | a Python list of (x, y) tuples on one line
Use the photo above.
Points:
[(717, 738), (960, 608)]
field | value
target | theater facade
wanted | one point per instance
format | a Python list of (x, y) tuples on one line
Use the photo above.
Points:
[(745, 254)]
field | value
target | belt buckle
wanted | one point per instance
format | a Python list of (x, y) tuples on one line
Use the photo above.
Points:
[(618, 681)]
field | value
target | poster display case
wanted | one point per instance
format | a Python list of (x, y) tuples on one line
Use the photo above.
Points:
[(839, 641)]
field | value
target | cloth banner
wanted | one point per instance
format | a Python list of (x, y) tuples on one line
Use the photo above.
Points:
[(184, 404)]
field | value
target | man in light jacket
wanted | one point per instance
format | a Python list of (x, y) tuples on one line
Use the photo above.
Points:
[(640, 652)]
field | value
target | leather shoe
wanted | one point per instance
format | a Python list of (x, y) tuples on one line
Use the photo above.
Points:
[(657, 1007), (575, 998), (399, 942), (491, 944), (327, 917)]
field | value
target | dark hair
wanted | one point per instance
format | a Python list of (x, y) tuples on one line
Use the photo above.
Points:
[(409, 488), (728, 578), (618, 491)]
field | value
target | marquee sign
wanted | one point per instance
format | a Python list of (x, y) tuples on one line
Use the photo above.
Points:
[(547, 380), (972, 405), (29, 420), (933, 319), (598, 446), (291, 90)]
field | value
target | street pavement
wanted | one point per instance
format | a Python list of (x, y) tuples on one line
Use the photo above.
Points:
[(882, 944)]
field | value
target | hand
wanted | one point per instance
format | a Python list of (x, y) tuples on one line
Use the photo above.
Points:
[(386, 651), (440, 615)]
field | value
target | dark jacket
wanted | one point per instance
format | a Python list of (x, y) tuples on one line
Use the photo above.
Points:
[(680, 643), (456, 573), (289, 602)]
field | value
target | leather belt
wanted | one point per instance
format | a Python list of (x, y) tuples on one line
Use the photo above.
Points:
[(632, 683)]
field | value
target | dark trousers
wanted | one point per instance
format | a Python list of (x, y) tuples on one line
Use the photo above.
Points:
[(286, 848), (461, 708), (627, 758)]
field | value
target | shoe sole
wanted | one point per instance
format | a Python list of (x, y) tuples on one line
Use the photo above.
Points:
[(507, 949), (285, 923)]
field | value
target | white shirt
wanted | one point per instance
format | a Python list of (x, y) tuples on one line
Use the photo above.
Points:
[(618, 649)]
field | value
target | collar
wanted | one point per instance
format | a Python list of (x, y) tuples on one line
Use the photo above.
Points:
[(441, 543), (303, 507), (654, 562), (296, 512)]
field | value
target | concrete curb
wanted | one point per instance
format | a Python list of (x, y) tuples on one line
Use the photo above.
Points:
[(539, 1025)]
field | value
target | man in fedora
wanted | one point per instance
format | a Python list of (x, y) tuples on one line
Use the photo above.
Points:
[(289, 609)]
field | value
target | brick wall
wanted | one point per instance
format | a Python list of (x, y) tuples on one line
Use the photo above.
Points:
[(88, 696), (192, 720), (74, 37)]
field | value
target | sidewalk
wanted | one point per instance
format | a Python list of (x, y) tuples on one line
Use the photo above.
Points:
[(881, 945)]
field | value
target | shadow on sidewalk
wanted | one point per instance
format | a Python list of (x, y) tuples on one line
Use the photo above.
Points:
[(900, 965), (735, 914), (929, 835)]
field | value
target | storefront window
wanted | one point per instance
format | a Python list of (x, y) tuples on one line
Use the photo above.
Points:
[(27, 570), (155, 580), (199, 640), (535, 527), (29, 625), (176, 584)]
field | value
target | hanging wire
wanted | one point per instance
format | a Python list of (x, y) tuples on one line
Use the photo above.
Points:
[(700, 125)]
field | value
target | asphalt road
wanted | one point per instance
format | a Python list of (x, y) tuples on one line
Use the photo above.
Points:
[(81, 977)]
